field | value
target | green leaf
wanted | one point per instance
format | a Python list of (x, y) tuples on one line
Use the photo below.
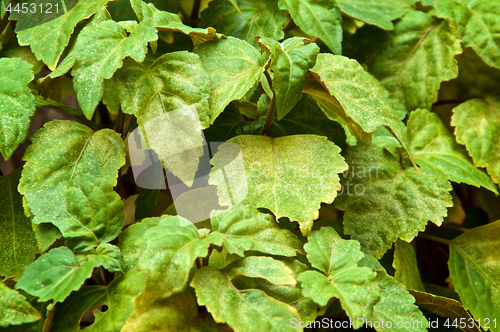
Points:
[(14, 310), (109, 257), (435, 147), (444, 307), (245, 228), (48, 40), (168, 252), (19, 246), (300, 182), (475, 270), (255, 308), (375, 12), (176, 82), (68, 180), (405, 264), (110, 45), (359, 94), (117, 296), (54, 275), (233, 66), (338, 259), (477, 22), (317, 18), (477, 123), (267, 268), (16, 103), (386, 201), (254, 18), (290, 62), (413, 60)]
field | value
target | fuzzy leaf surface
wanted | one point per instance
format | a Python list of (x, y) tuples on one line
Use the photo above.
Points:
[(475, 270), (17, 104), (405, 264), (109, 257), (68, 180), (477, 124), (288, 175), (375, 12), (267, 268), (395, 203), (317, 18), (54, 275), (14, 309), (290, 62)]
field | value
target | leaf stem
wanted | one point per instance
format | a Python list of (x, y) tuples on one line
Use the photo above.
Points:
[(194, 13), (119, 122), (434, 238), (126, 126), (448, 101), (272, 108)]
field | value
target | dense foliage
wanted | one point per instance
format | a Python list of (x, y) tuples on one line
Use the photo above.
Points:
[(237, 165)]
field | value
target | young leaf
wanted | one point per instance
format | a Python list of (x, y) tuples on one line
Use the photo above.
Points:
[(359, 94), (289, 183), (68, 180), (110, 45), (255, 308), (317, 18), (14, 310), (109, 257), (48, 40), (54, 275), (117, 296), (375, 12), (245, 228), (233, 66), (290, 62), (16, 104), (477, 123), (413, 60), (477, 22), (19, 246), (474, 268), (168, 252), (405, 264), (387, 202), (254, 18), (267, 268), (338, 260), (435, 147)]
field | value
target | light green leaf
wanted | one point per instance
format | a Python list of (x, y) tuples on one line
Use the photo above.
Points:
[(405, 264), (267, 268), (110, 45), (48, 40), (168, 252), (413, 60), (375, 12), (477, 124), (290, 62), (255, 309), (14, 310), (175, 82), (254, 18), (233, 66), (338, 259), (54, 275), (68, 180), (117, 296), (384, 202), (317, 18), (291, 175), (19, 246), (475, 270), (359, 94), (435, 147), (107, 256), (444, 307), (245, 228), (16, 103), (478, 23)]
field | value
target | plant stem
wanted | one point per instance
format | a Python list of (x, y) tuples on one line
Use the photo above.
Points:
[(119, 122), (448, 101), (272, 108), (126, 126), (194, 13), (434, 238)]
